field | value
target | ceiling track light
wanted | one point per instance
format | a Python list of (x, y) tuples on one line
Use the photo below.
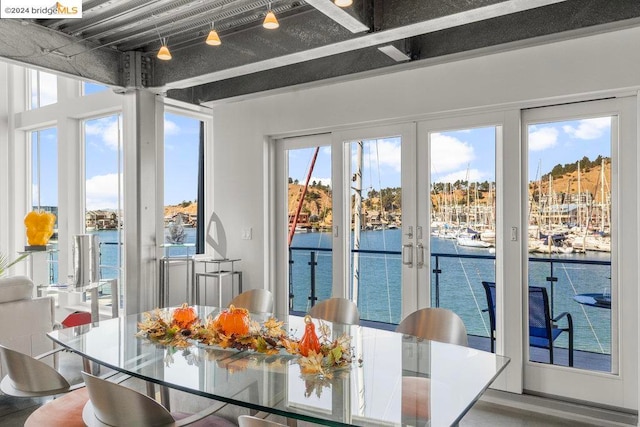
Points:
[(270, 21), (343, 3), (213, 39), (164, 53)]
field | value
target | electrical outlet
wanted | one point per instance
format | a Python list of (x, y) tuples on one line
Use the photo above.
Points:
[(247, 233)]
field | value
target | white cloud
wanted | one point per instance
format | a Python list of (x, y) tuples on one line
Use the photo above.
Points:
[(383, 153), (48, 88), (171, 128), (449, 153), (323, 181), (474, 175), (102, 191), (542, 138), (589, 128), (106, 129)]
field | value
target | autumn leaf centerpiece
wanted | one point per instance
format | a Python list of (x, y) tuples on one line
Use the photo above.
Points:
[(234, 328)]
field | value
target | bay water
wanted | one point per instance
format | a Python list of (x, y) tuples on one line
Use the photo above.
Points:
[(459, 283)]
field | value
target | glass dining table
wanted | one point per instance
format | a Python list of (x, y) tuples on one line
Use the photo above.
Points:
[(367, 392)]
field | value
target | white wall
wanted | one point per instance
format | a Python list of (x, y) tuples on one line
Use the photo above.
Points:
[(588, 68)]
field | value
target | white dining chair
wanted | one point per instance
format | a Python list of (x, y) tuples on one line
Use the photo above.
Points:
[(338, 310), (435, 324), (112, 404), (254, 300), (30, 377)]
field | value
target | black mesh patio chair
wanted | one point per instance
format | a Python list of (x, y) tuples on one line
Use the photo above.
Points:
[(543, 330)]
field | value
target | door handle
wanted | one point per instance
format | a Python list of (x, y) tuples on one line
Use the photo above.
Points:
[(407, 255), (420, 255)]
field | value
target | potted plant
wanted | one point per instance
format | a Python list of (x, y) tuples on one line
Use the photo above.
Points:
[(5, 264)]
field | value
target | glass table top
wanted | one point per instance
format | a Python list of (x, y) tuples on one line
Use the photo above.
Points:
[(374, 390)]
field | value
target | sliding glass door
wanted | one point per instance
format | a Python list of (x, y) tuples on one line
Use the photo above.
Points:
[(581, 185)]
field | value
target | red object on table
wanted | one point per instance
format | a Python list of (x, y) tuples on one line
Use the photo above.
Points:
[(309, 339), (77, 318)]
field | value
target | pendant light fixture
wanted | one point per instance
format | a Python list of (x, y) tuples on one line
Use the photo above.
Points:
[(164, 53), (213, 39), (343, 3), (270, 21)]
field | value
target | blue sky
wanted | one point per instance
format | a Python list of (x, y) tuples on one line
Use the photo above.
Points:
[(181, 162), (456, 155)]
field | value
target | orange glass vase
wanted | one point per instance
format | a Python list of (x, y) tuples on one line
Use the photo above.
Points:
[(309, 339)]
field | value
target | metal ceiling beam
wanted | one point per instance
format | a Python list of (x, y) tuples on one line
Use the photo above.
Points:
[(309, 46), (40, 47), (506, 32), (339, 15), (175, 76)]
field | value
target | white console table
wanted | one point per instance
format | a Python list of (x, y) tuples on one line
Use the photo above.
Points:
[(85, 298), (167, 261), (223, 268)]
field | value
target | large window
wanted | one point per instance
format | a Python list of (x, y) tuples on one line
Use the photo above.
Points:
[(44, 184), (103, 190), (569, 234), (581, 198), (89, 88), (43, 89), (181, 178)]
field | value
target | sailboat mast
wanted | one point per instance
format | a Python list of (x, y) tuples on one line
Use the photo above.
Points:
[(579, 216), (357, 220), (468, 191), (602, 204)]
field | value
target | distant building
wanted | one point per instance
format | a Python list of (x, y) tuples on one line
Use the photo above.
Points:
[(101, 220)]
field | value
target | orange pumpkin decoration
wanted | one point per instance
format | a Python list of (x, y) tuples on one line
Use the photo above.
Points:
[(184, 316), (233, 321), (309, 339)]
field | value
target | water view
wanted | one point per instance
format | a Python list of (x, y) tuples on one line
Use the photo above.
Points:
[(459, 285)]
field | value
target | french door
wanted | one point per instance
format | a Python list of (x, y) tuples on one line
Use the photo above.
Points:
[(459, 206), (580, 181), (423, 213), (346, 221), (376, 225)]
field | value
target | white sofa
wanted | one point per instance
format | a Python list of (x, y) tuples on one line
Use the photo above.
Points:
[(24, 320)]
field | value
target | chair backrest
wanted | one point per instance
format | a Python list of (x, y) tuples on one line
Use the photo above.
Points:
[(249, 421), (436, 324), (116, 405), (254, 300), (490, 292), (338, 310), (539, 315), (27, 376)]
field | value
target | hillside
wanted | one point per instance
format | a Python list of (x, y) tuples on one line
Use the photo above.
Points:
[(590, 181), (317, 202), (172, 210)]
